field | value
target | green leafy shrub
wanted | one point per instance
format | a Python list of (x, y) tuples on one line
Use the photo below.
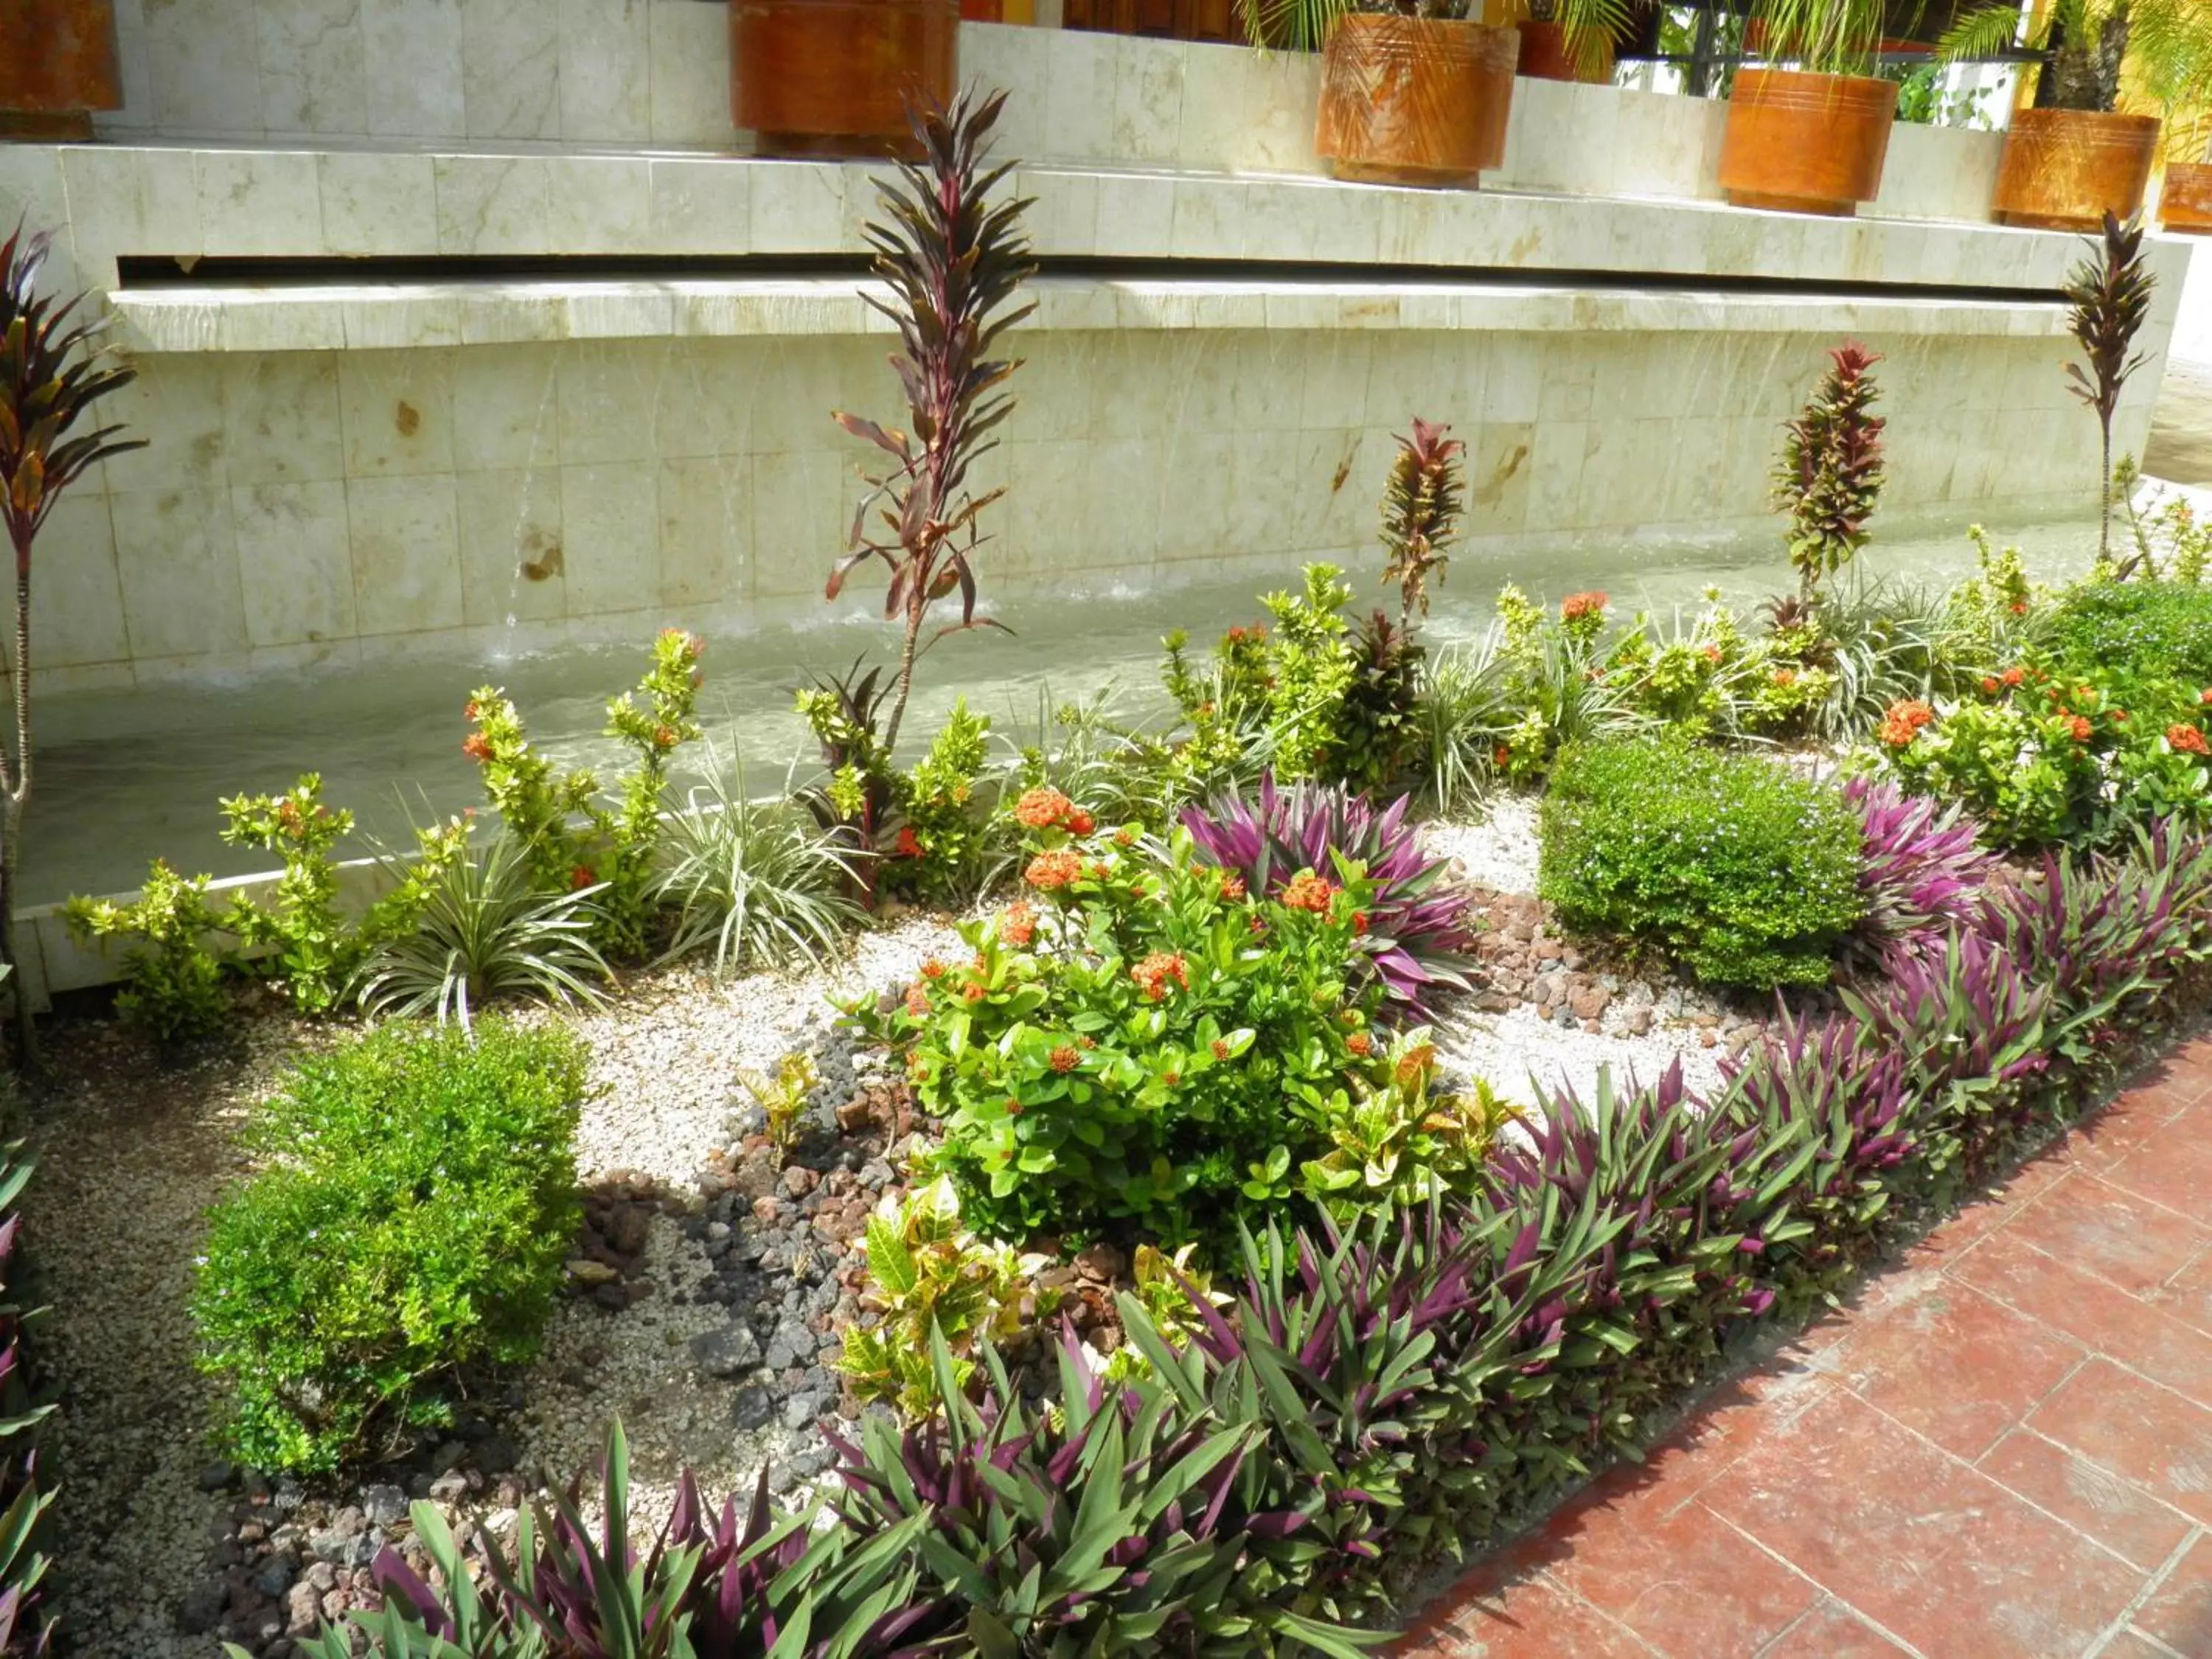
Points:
[(1745, 871), (410, 1224), (1138, 1041), (2162, 627), (314, 950), (1399, 1143), (173, 980)]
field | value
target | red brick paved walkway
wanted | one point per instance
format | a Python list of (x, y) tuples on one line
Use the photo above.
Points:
[(2003, 1448)]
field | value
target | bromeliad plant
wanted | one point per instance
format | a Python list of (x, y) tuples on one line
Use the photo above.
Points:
[(1416, 934), (1829, 474), (955, 262), (53, 371), (2108, 301)]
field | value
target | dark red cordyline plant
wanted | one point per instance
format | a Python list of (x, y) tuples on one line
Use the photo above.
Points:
[(1421, 510), (954, 262), (1418, 933), (1922, 870), (52, 371), (2108, 298), (1829, 475)]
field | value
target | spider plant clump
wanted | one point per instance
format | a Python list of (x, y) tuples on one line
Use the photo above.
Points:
[(1829, 475), (955, 262)]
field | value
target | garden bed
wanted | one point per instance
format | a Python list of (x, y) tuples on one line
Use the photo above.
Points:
[(704, 1297)]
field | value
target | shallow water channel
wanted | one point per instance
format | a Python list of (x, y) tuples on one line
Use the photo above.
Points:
[(125, 775)]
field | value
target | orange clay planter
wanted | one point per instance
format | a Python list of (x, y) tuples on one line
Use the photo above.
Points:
[(1415, 100), (831, 78), (1804, 143), (2185, 204), (1547, 55), (58, 65), (2064, 169)]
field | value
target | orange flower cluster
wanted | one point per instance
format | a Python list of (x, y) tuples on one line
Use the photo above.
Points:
[(2079, 726), (1049, 871), (1220, 1049), (1360, 1043), (1575, 606), (1255, 635), (2013, 676), (1158, 970), (1784, 677), (933, 968), (1990, 685), (2188, 740), (476, 747), (908, 846), (1017, 924), (917, 1000), (694, 646), (1232, 888), (1042, 809), (1903, 723), (1712, 653), (1064, 1058), (1307, 891), (973, 991), (580, 877)]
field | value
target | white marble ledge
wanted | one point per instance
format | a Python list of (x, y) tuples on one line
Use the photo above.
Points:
[(394, 317)]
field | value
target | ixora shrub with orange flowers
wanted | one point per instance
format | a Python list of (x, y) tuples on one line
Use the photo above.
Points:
[(1139, 1043), (2057, 750)]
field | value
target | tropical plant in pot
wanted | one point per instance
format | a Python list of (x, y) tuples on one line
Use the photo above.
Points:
[(1812, 138), (2076, 157), (1572, 40), (1414, 92)]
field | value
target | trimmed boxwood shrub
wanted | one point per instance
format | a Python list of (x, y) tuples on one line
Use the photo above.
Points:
[(419, 1201), (1746, 871)]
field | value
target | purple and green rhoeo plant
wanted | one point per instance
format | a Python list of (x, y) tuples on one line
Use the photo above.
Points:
[(1921, 872), (26, 1630), (712, 1586), (1417, 929)]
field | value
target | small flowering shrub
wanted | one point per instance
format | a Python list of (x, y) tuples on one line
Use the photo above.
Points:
[(172, 976), (312, 950), (1745, 871), (416, 1203), (1140, 1041), (927, 1271), (2151, 624), (2044, 754), (570, 837), (1415, 932)]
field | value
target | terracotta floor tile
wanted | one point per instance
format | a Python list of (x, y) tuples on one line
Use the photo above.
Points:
[(2091, 1311), (2098, 1142), (2187, 1295), (2128, 1644), (1831, 1631), (2173, 1167), (2117, 1513), (1953, 1364), (1688, 1584), (2154, 1437), (1919, 1542), (2111, 1232), (2179, 1611), (1535, 1620)]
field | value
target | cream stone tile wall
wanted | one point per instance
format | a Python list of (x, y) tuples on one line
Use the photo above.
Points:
[(656, 73)]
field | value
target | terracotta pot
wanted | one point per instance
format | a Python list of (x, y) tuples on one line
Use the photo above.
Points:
[(1805, 143), (831, 78), (2185, 204), (2063, 169), (58, 65), (1415, 100), (1547, 56)]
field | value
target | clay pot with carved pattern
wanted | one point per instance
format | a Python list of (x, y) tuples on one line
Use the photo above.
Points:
[(832, 77), (1415, 100), (1550, 52), (2184, 204), (1803, 142), (2064, 169), (58, 65)]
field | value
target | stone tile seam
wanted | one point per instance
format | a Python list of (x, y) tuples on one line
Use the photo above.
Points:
[(2151, 1586)]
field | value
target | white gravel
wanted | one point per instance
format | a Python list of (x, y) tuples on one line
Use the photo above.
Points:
[(1500, 851)]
